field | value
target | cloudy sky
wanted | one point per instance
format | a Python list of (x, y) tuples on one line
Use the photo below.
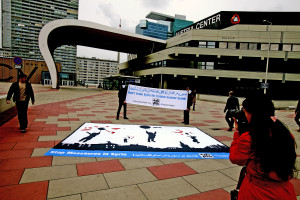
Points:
[(130, 12)]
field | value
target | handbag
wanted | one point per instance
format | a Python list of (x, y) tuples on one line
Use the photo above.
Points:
[(235, 193)]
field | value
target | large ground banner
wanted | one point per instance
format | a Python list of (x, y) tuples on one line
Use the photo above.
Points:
[(140, 141), (164, 98)]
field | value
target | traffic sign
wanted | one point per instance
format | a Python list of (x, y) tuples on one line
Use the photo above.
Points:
[(18, 60), (18, 66)]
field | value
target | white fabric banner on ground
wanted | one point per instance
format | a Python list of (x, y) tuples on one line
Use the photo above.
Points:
[(164, 98), (140, 141)]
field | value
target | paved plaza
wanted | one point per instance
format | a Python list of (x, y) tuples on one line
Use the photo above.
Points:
[(26, 174)]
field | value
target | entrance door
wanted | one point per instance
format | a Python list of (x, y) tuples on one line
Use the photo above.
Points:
[(47, 82)]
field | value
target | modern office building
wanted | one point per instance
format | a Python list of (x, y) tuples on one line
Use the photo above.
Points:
[(164, 27), (228, 51), (22, 21), (92, 71)]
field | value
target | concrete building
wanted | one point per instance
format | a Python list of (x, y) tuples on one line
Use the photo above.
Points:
[(5, 52), (163, 27), (22, 22), (93, 71), (228, 51)]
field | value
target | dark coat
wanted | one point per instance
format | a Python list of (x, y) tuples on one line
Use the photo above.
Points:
[(122, 94), (232, 104), (14, 91)]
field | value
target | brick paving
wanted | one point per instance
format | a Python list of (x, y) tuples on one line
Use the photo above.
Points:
[(25, 172)]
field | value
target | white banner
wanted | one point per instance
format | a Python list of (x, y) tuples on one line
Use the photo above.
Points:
[(140, 141), (164, 98)]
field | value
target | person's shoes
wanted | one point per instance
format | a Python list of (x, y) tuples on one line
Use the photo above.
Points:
[(23, 130), (117, 118), (183, 122), (126, 118), (230, 129), (186, 123)]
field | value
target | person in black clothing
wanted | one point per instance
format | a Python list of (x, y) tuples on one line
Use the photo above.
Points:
[(22, 92), (122, 97), (194, 93), (232, 105), (297, 112), (186, 113)]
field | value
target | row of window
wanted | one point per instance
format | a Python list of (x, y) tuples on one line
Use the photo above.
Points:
[(242, 45)]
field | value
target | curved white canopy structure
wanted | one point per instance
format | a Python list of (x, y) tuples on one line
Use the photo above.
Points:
[(77, 32)]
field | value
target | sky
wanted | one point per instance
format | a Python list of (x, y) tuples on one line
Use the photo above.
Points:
[(130, 12)]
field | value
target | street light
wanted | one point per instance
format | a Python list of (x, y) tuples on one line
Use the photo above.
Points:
[(267, 65)]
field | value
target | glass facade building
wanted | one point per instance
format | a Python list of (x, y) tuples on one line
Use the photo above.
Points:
[(151, 29), (165, 27), (22, 21)]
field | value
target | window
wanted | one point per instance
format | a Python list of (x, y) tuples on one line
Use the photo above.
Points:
[(296, 47), (223, 45), (274, 47), (244, 46), (231, 45), (211, 44), (264, 47), (205, 65), (209, 65), (253, 46), (204, 44)]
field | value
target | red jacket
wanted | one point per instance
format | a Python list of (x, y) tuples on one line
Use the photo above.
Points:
[(254, 186)]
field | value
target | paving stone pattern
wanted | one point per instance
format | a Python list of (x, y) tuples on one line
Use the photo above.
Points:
[(26, 174)]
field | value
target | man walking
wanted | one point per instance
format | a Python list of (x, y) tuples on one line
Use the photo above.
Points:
[(22, 92), (232, 105)]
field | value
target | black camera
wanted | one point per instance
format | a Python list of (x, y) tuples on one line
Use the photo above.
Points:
[(243, 125)]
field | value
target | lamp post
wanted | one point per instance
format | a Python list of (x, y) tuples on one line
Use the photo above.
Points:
[(267, 65)]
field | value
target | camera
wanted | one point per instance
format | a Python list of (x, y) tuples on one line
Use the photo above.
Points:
[(241, 119)]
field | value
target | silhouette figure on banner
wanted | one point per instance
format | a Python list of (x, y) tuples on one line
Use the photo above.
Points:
[(91, 135), (194, 138), (151, 136)]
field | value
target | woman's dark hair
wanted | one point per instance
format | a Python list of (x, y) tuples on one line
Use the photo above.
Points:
[(272, 142)]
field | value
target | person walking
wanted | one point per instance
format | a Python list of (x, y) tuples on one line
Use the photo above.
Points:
[(297, 112), (267, 150), (22, 92), (232, 105), (122, 97)]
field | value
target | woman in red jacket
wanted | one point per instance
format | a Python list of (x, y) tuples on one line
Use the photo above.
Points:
[(268, 150)]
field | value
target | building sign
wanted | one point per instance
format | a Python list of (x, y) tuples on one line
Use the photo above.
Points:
[(226, 19), (235, 19), (205, 23)]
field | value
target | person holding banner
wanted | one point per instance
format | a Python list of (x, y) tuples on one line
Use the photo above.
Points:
[(122, 97), (186, 112)]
